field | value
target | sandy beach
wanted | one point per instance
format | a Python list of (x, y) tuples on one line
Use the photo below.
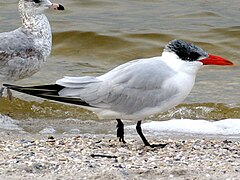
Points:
[(25, 156)]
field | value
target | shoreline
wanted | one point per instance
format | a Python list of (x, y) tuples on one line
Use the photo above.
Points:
[(37, 156)]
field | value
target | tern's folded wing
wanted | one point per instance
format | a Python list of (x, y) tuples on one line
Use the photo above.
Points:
[(127, 89)]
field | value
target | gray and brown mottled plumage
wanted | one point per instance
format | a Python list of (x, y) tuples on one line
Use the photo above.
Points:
[(24, 50)]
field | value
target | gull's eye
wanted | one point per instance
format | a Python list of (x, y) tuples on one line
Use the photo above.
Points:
[(37, 1)]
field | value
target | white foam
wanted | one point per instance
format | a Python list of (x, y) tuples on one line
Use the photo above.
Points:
[(8, 123), (48, 130), (222, 127)]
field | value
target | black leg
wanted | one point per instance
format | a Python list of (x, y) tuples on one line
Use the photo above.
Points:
[(120, 130), (145, 141), (139, 131)]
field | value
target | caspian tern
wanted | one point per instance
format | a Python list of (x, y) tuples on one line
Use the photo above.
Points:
[(136, 89), (24, 50)]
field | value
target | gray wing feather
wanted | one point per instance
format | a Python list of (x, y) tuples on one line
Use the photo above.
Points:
[(127, 88), (13, 41), (17, 55), (77, 82)]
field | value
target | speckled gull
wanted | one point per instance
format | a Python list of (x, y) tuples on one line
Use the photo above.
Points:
[(24, 50)]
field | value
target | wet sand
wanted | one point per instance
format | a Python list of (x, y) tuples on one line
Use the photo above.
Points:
[(25, 156)]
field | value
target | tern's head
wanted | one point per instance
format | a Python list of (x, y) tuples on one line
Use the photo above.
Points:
[(33, 7), (191, 53)]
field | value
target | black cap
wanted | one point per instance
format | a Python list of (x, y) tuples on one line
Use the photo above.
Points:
[(60, 7)]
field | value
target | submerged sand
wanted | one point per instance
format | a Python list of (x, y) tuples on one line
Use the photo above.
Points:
[(26, 156)]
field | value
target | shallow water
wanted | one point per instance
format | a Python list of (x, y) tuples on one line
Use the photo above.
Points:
[(94, 36)]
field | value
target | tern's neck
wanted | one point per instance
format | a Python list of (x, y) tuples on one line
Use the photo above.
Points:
[(38, 27), (173, 61)]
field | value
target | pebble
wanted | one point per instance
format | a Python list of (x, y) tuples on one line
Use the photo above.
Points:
[(91, 157)]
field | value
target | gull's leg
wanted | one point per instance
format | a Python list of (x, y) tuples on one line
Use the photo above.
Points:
[(9, 94), (145, 141), (1, 91), (120, 130)]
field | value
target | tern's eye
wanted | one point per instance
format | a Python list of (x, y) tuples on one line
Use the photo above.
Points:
[(37, 1)]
